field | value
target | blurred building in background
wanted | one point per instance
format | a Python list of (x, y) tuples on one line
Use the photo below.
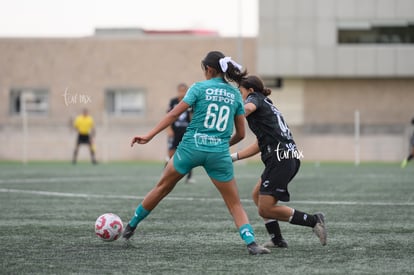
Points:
[(331, 61), (125, 77), (341, 71)]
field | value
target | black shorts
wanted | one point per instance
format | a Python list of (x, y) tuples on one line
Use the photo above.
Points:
[(84, 139), (174, 141), (277, 175)]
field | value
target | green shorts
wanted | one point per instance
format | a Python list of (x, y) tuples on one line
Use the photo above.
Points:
[(218, 165)]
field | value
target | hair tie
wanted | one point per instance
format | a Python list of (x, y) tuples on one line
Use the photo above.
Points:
[(223, 63)]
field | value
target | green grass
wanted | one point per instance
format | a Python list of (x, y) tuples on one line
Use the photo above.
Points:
[(48, 212)]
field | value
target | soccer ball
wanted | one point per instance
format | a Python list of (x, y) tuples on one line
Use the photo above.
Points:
[(108, 227)]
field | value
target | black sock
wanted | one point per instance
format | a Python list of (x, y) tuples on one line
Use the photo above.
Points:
[(273, 229), (189, 174), (304, 219)]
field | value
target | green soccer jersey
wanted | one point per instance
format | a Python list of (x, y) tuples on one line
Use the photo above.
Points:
[(215, 103)]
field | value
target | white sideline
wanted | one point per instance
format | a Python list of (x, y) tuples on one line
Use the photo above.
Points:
[(71, 179), (80, 195)]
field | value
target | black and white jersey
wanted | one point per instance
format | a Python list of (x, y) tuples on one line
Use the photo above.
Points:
[(181, 124), (268, 125)]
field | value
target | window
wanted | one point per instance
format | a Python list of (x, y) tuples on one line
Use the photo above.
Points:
[(125, 101), (376, 33), (33, 101), (273, 82)]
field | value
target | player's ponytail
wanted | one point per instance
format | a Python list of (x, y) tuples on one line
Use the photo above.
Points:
[(256, 84), (231, 70), (266, 91)]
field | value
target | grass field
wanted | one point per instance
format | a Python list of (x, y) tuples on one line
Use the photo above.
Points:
[(48, 212)]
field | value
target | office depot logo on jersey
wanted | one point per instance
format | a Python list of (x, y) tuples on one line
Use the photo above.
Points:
[(219, 95)]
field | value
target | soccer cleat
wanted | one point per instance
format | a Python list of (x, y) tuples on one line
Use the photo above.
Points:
[(319, 229), (282, 243), (404, 163), (255, 249), (128, 232)]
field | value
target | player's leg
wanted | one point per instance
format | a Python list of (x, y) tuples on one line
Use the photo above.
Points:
[(189, 178), (411, 154), (75, 151), (272, 225), (229, 192), (219, 167), (75, 154), (165, 185), (92, 149), (171, 153), (274, 187), (269, 209)]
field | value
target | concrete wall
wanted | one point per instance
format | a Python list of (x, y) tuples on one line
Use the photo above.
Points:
[(321, 113), (298, 38), (320, 110), (324, 82), (88, 66)]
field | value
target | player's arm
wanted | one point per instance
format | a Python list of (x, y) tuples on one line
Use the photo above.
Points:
[(249, 108), (168, 119), (247, 152), (240, 132)]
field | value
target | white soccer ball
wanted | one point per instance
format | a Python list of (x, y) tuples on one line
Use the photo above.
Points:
[(108, 227)]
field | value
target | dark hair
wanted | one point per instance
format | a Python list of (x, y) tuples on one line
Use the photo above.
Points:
[(256, 84), (232, 73), (182, 84)]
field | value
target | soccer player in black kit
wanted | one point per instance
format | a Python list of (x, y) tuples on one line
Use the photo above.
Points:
[(176, 131), (282, 161)]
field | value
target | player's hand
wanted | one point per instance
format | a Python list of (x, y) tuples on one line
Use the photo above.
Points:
[(140, 140)]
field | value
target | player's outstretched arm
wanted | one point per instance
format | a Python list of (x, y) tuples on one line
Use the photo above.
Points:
[(247, 152), (140, 140), (169, 118)]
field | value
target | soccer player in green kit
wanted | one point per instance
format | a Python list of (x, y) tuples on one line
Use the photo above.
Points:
[(217, 109)]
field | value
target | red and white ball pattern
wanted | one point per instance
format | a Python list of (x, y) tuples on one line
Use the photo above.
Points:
[(108, 227)]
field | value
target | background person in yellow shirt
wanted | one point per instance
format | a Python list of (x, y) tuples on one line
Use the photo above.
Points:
[(85, 127)]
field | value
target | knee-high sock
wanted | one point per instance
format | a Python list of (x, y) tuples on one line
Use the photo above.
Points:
[(246, 233), (304, 219), (273, 228), (140, 214)]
